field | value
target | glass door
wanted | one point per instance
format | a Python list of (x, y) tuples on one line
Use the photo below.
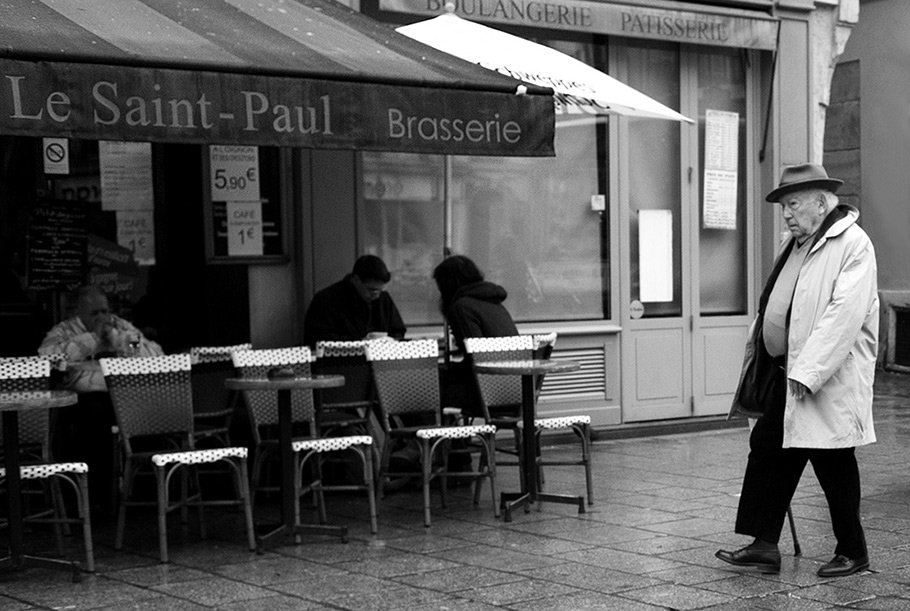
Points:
[(721, 226), (656, 368)]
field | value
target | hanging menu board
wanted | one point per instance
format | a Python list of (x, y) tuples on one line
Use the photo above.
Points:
[(246, 218), (56, 245)]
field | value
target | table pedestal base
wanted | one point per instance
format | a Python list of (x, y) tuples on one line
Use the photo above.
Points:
[(511, 500), (9, 563), (301, 529)]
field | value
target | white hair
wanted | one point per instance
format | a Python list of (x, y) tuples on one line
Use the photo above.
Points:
[(830, 199)]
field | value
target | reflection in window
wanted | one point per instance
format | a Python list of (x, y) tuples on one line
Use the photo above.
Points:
[(402, 220), (529, 225), (654, 160), (527, 222), (722, 252)]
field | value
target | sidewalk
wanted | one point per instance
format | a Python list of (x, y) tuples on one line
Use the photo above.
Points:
[(663, 505)]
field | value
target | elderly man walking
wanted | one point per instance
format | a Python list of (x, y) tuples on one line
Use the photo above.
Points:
[(818, 319)]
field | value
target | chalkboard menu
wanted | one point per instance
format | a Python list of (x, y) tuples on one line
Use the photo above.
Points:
[(57, 239)]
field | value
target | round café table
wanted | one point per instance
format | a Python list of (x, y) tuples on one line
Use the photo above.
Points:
[(529, 370), (11, 403), (284, 386)]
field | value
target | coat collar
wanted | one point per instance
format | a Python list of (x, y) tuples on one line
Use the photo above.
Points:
[(837, 222)]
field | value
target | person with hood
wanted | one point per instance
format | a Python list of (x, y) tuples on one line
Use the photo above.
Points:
[(472, 307), (818, 318)]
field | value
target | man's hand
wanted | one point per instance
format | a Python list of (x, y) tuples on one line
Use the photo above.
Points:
[(797, 389), (103, 328)]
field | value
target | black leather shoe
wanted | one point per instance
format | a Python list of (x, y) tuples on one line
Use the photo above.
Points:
[(841, 566), (767, 561)]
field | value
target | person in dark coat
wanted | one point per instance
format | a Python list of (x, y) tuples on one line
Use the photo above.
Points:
[(354, 308), (472, 307)]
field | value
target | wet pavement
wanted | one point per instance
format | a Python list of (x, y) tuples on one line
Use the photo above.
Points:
[(663, 505)]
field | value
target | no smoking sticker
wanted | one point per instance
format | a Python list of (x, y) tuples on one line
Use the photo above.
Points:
[(56, 155)]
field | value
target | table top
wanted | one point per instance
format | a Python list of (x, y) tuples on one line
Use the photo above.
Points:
[(296, 382), (526, 367), (36, 399)]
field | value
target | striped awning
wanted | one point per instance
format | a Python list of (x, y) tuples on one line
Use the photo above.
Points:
[(304, 73)]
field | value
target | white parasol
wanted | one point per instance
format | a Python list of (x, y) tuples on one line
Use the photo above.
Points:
[(579, 88)]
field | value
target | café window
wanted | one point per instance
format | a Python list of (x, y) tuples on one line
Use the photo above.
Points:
[(533, 225)]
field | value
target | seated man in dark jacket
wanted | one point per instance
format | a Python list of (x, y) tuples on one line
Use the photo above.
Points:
[(356, 307)]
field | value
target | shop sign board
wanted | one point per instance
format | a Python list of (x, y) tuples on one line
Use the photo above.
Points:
[(718, 27), (108, 102)]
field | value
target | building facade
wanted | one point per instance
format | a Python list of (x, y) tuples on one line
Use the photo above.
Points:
[(867, 142), (643, 243)]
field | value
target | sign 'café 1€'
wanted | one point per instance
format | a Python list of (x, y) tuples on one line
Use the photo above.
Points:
[(151, 104)]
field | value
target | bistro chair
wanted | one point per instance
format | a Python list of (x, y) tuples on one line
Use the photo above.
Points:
[(351, 405), (153, 402), (213, 405), (407, 381), (30, 374), (308, 446), (502, 397)]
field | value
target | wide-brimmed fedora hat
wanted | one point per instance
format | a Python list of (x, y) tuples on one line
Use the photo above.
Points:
[(803, 176)]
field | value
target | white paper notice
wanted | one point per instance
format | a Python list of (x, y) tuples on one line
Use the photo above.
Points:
[(655, 255), (136, 231), (721, 164), (235, 173), (720, 199), (126, 175), (244, 228)]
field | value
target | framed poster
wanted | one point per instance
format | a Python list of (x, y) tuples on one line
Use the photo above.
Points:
[(247, 190)]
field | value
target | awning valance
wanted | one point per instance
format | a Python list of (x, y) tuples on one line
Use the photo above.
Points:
[(308, 73)]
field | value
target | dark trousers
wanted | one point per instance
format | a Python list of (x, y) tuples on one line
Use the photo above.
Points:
[(772, 474)]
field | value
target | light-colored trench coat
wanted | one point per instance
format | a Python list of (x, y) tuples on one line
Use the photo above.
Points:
[(832, 341)]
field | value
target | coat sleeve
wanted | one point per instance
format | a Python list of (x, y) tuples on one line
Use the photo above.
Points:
[(836, 330), (397, 328), (462, 322), (319, 323)]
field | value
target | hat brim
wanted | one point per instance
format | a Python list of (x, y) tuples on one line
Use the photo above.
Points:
[(828, 184)]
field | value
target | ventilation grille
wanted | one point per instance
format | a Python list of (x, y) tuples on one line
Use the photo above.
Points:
[(901, 337), (587, 382)]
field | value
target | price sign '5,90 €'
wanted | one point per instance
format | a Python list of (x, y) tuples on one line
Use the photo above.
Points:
[(234, 173)]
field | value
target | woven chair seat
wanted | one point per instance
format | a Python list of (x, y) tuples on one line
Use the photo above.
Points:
[(46, 470), (456, 432), (561, 422), (331, 444), (198, 457)]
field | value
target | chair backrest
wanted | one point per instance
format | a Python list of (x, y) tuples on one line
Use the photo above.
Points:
[(151, 395), (23, 374), (212, 365), (346, 358), (215, 354), (407, 378), (498, 390), (544, 344), (263, 404)]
